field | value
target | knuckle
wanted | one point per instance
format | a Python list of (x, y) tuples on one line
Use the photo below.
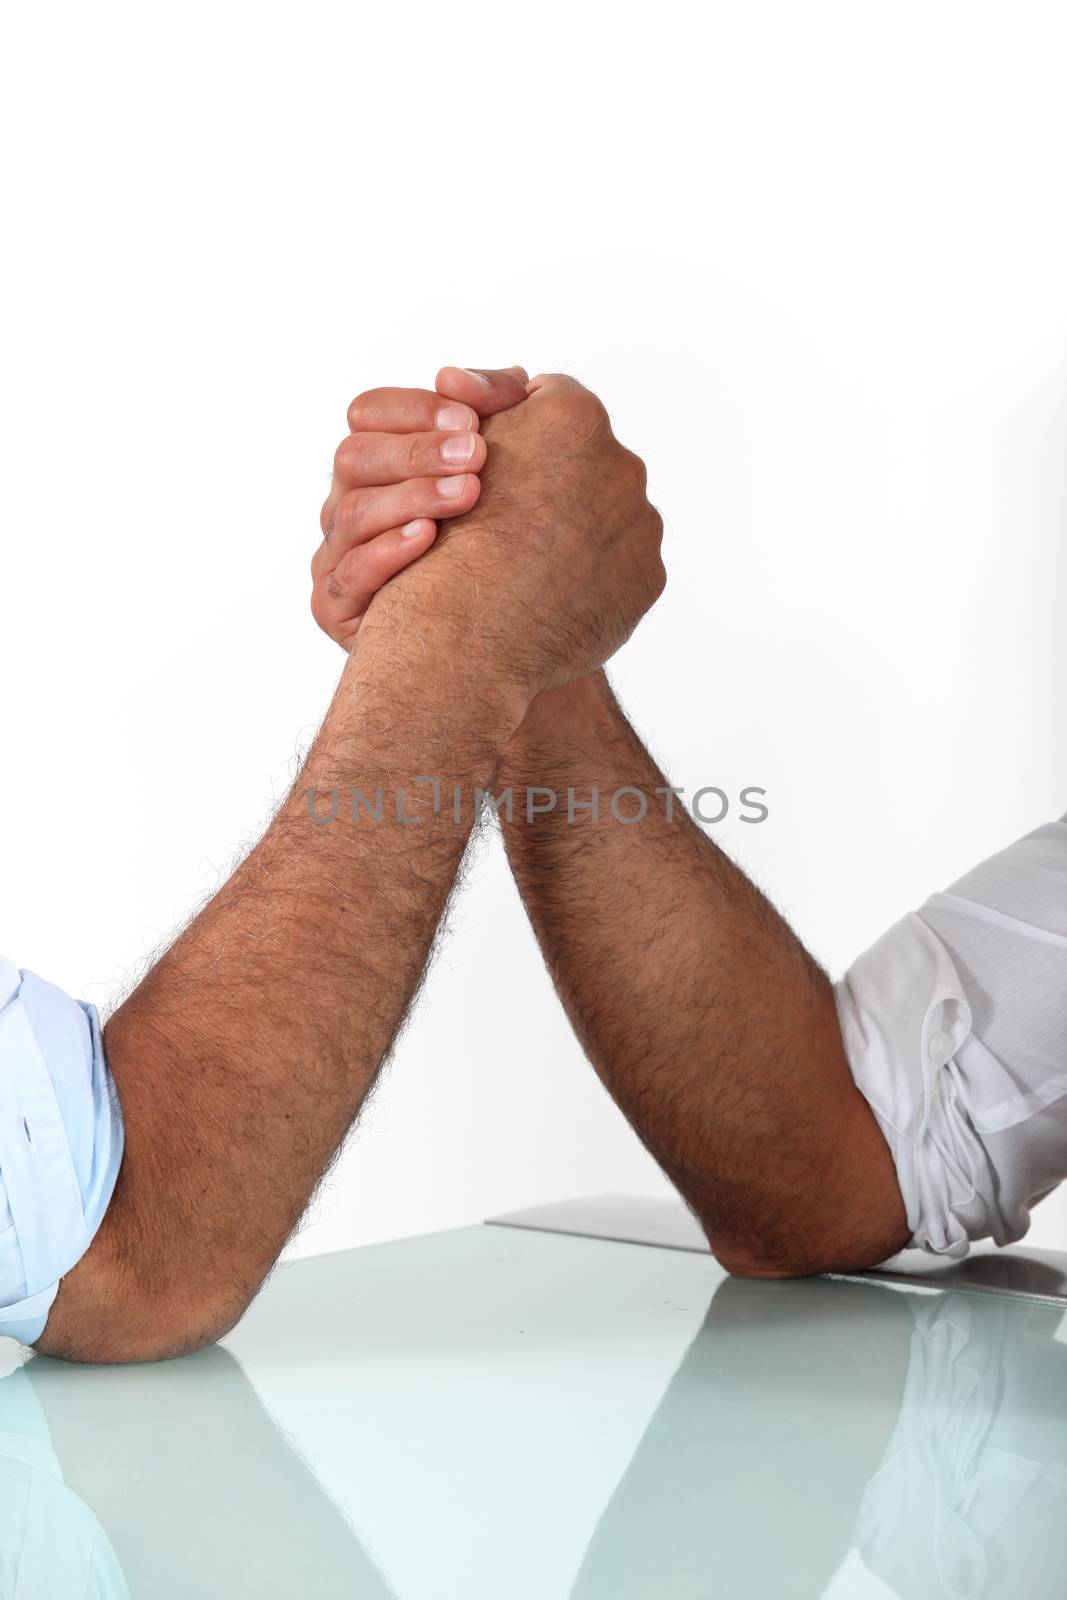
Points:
[(349, 514), (359, 411), (588, 402), (559, 388), (562, 381), (339, 578), (576, 409), (347, 585), (326, 517), (632, 471), (346, 457), (347, 572)]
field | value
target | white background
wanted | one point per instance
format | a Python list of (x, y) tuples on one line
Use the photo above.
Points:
[(813, 257)]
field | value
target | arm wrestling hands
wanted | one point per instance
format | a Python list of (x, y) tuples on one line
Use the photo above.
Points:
[(563, 525), (708, 1022), (244, 1056)]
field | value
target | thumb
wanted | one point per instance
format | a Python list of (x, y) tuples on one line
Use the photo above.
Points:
[(486, 390)]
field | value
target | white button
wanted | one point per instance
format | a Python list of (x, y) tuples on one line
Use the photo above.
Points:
[(940, 1048)]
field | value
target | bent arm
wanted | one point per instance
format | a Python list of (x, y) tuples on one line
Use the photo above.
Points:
[(246, 1053), (711, 1026)]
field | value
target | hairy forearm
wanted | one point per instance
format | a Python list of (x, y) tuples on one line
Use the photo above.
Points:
[(707, 1020), (245, 1054)]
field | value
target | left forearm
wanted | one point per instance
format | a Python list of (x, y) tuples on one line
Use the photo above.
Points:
[(702, 1012)]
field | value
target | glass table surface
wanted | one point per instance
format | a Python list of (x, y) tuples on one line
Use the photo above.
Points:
[(526, 1415)]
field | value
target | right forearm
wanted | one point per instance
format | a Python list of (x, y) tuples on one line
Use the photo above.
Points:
[(244, 1055)]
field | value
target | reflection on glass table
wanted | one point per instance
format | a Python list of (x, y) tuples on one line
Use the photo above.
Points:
[(825, 1439), (161, 1481), (496, 1413)]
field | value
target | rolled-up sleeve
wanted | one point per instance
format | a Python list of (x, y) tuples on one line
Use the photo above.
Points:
[(955, 1027), (61, 1141)]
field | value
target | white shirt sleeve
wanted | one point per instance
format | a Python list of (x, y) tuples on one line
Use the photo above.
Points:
[(955, 1026), (61, 1141)]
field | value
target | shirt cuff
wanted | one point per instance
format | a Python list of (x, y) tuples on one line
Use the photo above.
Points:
[(904, 1020), (61, 1140)]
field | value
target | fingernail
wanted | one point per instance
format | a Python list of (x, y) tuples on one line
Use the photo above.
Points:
[(453, 419), (452, 488), (411, 530), (479, 377), (458, 449)]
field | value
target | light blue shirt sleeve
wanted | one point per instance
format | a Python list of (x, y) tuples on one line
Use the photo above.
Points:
[(61, 1142)]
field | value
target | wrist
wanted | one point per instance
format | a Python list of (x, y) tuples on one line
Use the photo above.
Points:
[(577, 715), (436, 671)]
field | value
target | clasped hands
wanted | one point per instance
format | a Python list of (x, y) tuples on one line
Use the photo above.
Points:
[(494, 516)]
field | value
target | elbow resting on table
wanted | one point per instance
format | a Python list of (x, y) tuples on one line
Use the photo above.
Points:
[(802, 1249), (109, 1317), (769, 1259)]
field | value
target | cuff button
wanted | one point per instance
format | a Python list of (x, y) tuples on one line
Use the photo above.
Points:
[(940, 1048)]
